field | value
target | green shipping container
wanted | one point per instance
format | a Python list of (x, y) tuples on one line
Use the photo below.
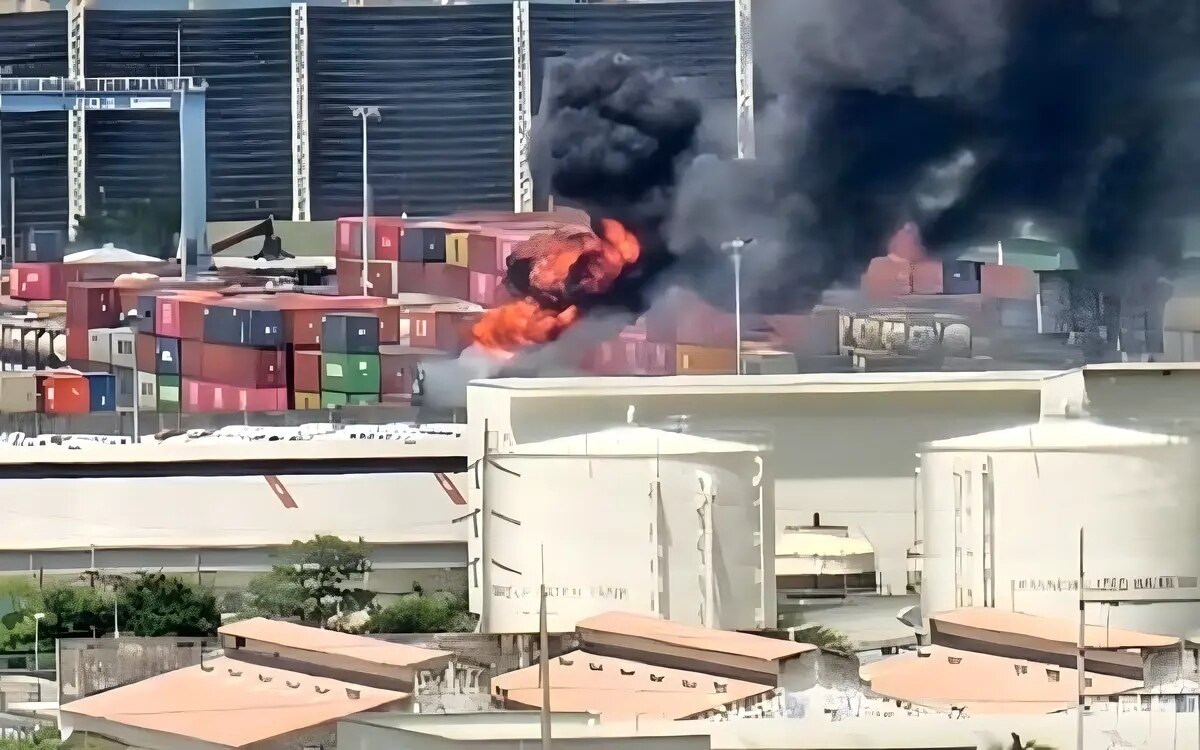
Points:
[(333, 399), (350, 373), (168, 393)]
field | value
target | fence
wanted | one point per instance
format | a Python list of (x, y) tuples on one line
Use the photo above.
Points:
[(87, 666)]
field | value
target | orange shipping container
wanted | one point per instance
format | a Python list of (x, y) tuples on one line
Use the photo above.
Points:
[(704, 360), (67, 394), (1008, 282)]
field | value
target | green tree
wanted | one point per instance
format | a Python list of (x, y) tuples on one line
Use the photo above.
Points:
[(44, 738), (317, 580), (69, 611), (825, 638), (440, 612), (152, 604)]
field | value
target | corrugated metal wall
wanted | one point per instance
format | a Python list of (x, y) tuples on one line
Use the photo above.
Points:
[(443, 80), (687, 38), (35, 144), (245, 57)]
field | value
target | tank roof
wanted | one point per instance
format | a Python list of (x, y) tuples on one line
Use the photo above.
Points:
[(633, 441), (1056, 434)]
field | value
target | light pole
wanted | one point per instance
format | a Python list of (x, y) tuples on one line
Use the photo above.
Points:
[(734, 248), (37, 632), (133, 317), (366, 113)]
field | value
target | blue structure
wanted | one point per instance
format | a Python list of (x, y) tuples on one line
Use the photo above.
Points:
[(182, 95), (102, 387)]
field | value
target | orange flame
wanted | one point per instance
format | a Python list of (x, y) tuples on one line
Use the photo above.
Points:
[(562, 265)]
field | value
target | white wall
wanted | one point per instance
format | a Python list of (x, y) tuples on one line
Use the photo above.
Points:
[(1140, 509), (849, 457), (601, 524)]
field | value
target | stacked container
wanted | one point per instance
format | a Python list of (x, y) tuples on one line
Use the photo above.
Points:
[(349, 360), (91, 305)]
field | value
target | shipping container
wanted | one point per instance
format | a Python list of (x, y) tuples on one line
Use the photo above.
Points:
[(18, 392), (244, 323), (168, 392), (443, 331), (349, 373), (93, 304), (334, 399), (146, 306), (203, 396), (1008, 282), (145, 352), (307, 401), (445, 280), (166, 356), (306, 371), (456, 248), (398, 366), (244, 366), (303, 317), (348, 273), (125, 387), (348, 241), (102, 391), (484, 288), (166, 316), (888, 277), (960, 277), (191, 358), (146, 386), (928, 277), (423, 244), (410, 277), (704, 360), (682, 317), (381, 278), (66, 393), (387, 239), (40, 281), (191, 314), (349, 334), (100, 344)]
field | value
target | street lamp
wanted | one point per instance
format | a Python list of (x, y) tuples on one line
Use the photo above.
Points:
[(366, 113), (37, 621), (734, 248), (133, 316)]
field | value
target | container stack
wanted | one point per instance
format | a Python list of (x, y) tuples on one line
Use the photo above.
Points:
[(349, 361)]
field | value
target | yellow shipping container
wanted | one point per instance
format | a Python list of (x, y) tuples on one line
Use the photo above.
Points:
[(307, 401), (456, 249), (704, 360)]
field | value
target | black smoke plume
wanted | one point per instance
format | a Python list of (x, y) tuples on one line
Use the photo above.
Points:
[(972, 118)]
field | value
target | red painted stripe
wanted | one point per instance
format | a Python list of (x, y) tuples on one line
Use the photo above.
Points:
[(451, 491), (280, 491)]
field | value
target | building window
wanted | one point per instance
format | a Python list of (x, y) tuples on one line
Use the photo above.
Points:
[(124, 347)]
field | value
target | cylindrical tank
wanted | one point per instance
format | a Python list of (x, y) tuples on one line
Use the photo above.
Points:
[(633, 519), (1003, 513)]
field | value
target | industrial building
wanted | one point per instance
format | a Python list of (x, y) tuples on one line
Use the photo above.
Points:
[(218, 513), (1002, 513), (574, 512)]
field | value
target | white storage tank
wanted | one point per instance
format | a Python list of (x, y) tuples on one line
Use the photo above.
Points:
[(1002, 513), (630, 518)]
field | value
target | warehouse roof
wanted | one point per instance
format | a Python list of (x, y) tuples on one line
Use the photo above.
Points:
[(227, 703), (981, 683), (1049, 628), (1055, 433), (623, 689), (693, 637), (319, 640), (1023, 380), (632, 441)]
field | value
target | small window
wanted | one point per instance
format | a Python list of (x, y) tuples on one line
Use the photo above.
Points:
[(239, 642), (124, 347), (147, 389)]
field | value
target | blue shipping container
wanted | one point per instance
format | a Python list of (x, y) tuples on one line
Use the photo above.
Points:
[(103, 389), (145, 310), (166, 356), (243, 327)]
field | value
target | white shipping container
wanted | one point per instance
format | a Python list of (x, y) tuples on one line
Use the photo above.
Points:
[(100, 345), (147, 390)]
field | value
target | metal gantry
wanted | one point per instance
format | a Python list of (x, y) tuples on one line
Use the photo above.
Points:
[(185, 96)]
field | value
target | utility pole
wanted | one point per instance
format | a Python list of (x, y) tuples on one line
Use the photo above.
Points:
[(734, 248), (366, 113), (544, 645)]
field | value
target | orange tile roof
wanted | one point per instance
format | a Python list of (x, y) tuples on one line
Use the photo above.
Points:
[(691, 636), (217, 707), (1056, 629), (332, 642), (983, 684), (622, 689)]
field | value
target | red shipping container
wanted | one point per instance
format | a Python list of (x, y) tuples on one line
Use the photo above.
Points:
[(410, 277), (381, 278), (442, 331), (66, 393), (888, 277), (389, 324), (349, 277), (306, 371), (927, 277), (166, 316), (232, 398), (191, 314), (244, 366), (348, 242), (483, 288), (1008, 282), (93, 304), (40, 281), (191, 358), (446, 280), (145, 349), (387, 239)]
